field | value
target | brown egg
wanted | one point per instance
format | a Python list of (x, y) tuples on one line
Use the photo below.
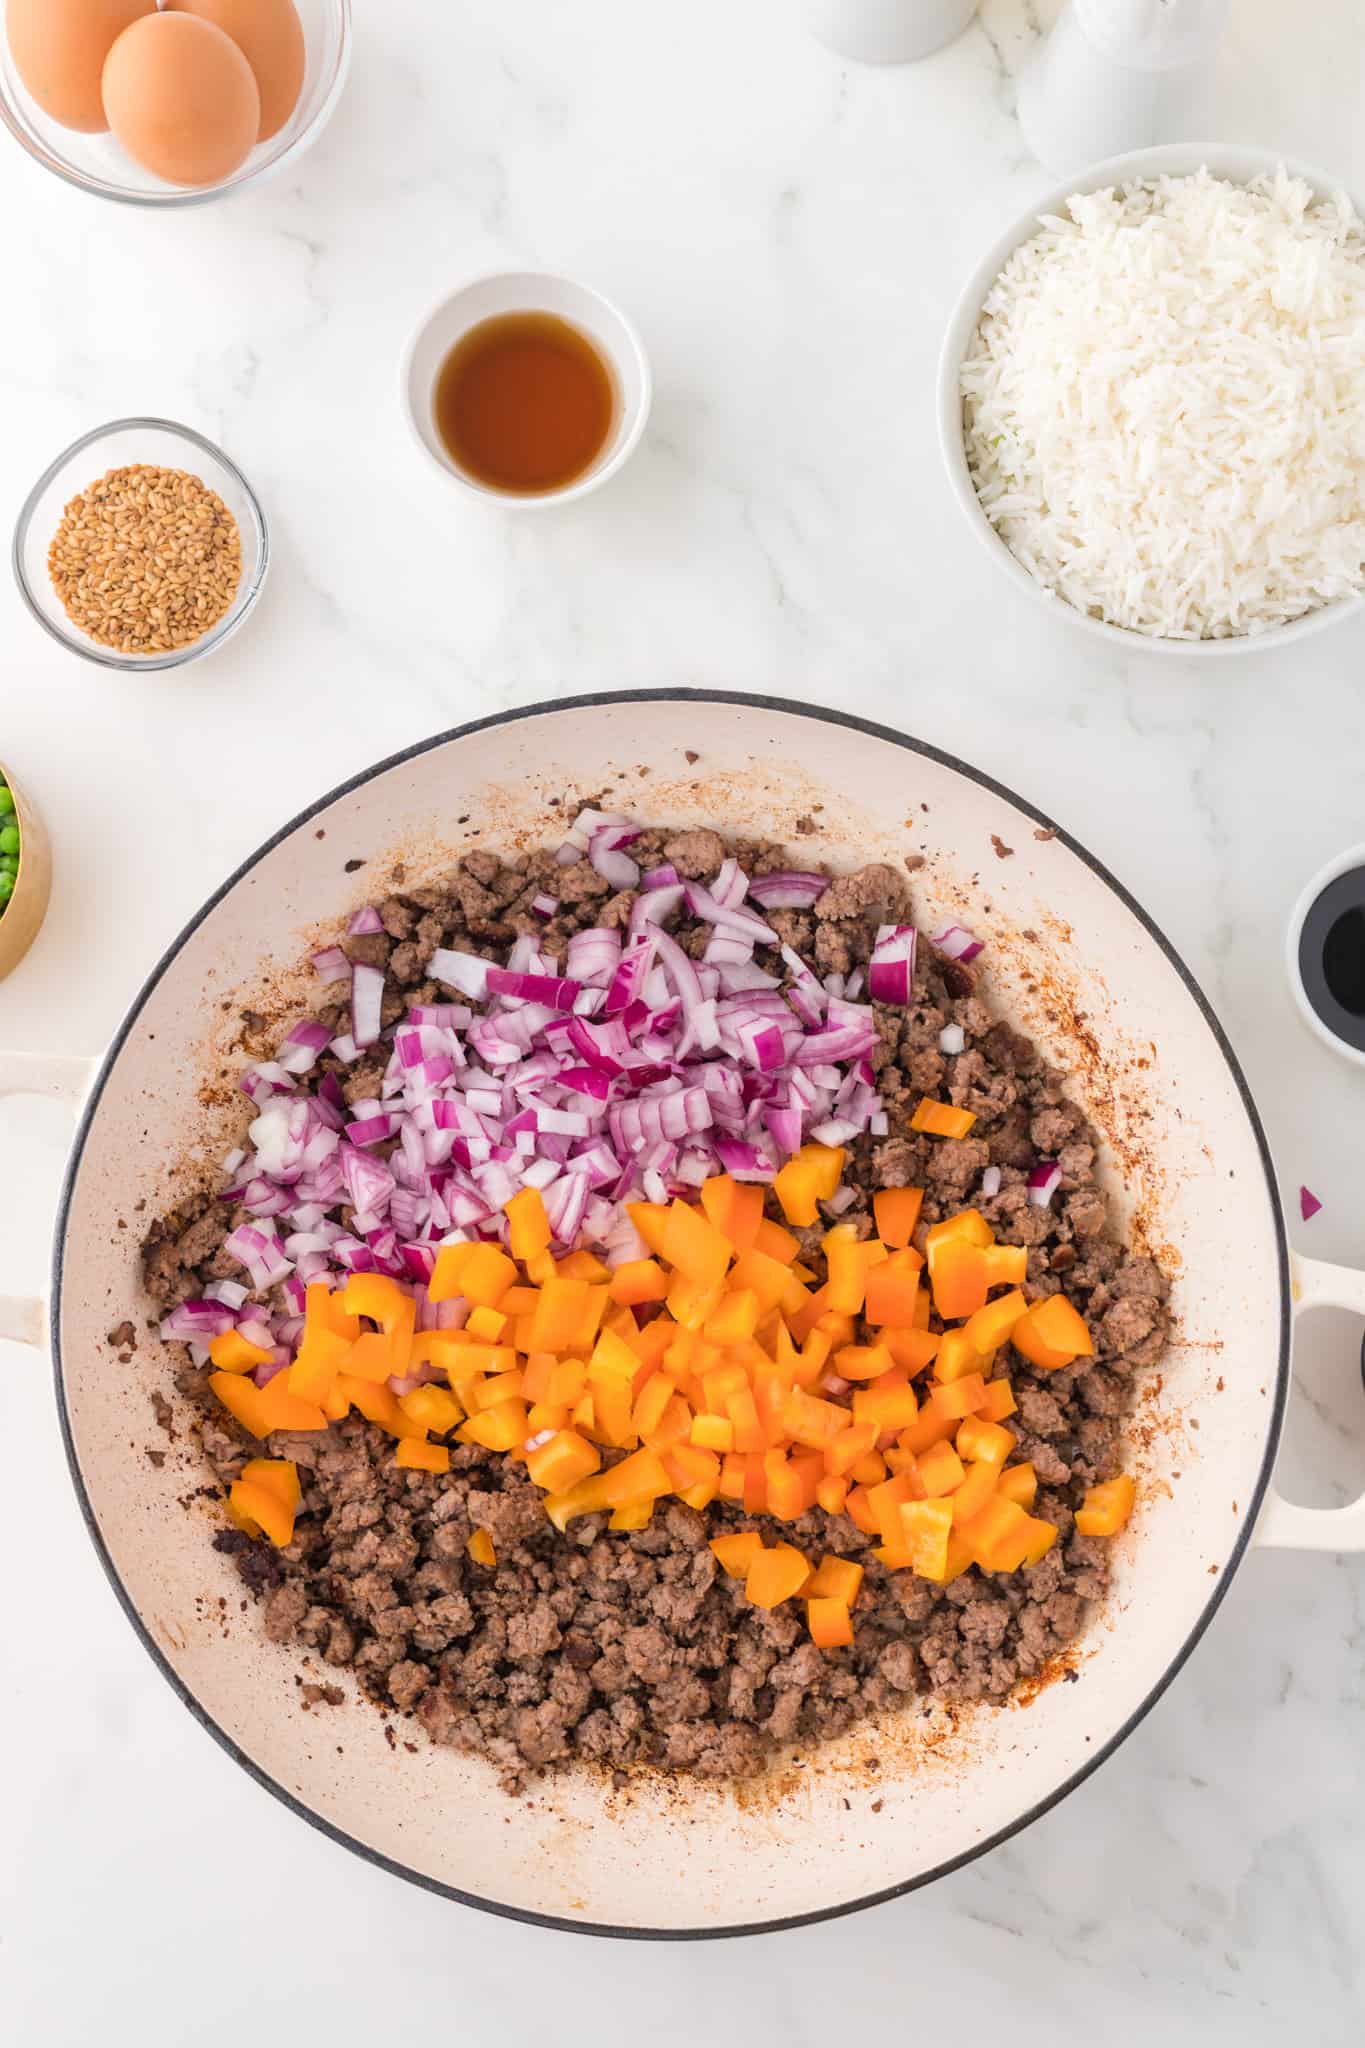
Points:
[(182, 99), (59, 48), (269, 35)]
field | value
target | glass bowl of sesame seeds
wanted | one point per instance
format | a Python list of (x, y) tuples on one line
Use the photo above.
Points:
[(141, 547)]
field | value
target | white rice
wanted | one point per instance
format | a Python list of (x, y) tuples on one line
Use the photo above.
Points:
[(1164, 405)]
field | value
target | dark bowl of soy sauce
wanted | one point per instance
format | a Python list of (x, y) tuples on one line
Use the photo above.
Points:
[(1327, 954)]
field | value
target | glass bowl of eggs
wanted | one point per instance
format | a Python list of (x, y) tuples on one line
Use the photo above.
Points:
[(171, 104)]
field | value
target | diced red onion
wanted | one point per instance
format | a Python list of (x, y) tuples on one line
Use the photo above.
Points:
[(367, 1001), (1043, 1183), (331, 965), (789, 889), (1309, 1204), (464, 971), (605, 853), (198, 1322), (990, 1182), (365, 922), (543, 905), (840, 1200), (952, 1039), (664, 877), (891, 969), (955, 942)]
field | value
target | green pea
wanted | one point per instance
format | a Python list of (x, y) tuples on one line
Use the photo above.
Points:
[(9, 863), (6, 801), (9, 839), (6, 887)]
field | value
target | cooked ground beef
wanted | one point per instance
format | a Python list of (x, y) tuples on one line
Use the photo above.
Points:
[(627, 1649)]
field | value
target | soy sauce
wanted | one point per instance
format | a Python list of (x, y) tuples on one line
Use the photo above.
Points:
[(1332, 957), (524, 403)]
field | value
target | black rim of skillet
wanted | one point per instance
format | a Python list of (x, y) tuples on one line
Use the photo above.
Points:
[(1219, 1586)]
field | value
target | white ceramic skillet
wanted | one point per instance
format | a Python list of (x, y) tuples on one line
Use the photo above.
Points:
[(901, 1803)]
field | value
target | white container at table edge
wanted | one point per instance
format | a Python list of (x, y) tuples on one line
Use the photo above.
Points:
[(887, 31), (1176, 160), (529, 291), (1119, 74)]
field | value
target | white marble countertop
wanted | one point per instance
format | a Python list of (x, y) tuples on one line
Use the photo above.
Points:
[(788, 233)]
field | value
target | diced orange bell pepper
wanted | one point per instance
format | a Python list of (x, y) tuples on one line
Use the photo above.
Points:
[(377, 1404), (264, 1409), (694, 1247), (232, 1352), (737, 1551), (587, 1498), (1001, 1536), (776, 1575), (503, 1428), (590, 1320), (484, 1274), (925, 1527), (1058, 1325), (734, 1318), (770, 1280), (1019, 1483), (809, 1420), (493, 1391), (811, 1176), (529, 1226), (651, 1220), (957, 1356), (886, 1501), (863, 1361), (940, 1470), (984, 1443), (941, 1119), (479, 1546), (1030, 1345), (890, 1407), (829, 1623), (836, 1578), (279, 1476), (262, 1506), (641, 1476), (1106, 1507), (750, 1434), (651, 1404), (870, 1469), (561, 1463), (957, 1273), (859, 1513), (487, 1325), (990, 1326), (853, 1442), (912, 1348), (776, 1243), (321, 1356), (638, 1515), (638, 1281), (978, 1487), (433, 1408), (965, 1396), (688, 1302), (999, 1402), (731, 1477), (734, 1207), (583, 1265), (421, 1457), (848, 1261), (896, 1213), (968, 1224), (540, 1416), (832, 1494), (930, 1427), (1006, 1265), (558, 1314), (893, 1289)]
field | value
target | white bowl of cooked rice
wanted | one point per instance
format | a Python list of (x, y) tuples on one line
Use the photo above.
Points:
[(1152, 400)]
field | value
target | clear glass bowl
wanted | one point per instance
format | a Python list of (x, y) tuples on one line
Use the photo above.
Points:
[(163, 444), (97, 163)]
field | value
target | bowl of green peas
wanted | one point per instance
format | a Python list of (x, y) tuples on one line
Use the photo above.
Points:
[(25, 874)]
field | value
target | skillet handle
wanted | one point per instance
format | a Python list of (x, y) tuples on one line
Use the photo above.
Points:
[(1283, 1525), (23, 1318)]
